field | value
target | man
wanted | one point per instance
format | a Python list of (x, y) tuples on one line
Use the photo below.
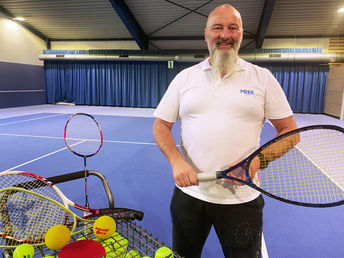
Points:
[(222, 103)]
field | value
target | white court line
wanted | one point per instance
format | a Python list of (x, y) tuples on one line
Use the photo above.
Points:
[(41, 157), (62, 138), (144, 143), (32, 136), (322, 170), (264, 250), (26, 120)]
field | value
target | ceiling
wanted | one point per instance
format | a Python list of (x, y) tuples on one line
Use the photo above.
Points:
[(173, 24)]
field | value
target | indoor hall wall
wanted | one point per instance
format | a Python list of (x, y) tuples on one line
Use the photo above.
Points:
[(334, 100), (22, 80)]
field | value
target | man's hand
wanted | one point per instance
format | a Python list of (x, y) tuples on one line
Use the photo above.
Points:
[(184, 174)]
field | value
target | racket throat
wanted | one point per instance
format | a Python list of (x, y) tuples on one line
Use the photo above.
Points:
[(218, 175), (87, 205)]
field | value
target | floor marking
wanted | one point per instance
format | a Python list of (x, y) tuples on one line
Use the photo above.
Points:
[(41, 157), (62, 138), (26, 120), (264, 250)]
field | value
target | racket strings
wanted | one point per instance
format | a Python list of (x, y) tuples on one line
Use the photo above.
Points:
[(30, 182), (26, 217), (311, 171), (83, 135)]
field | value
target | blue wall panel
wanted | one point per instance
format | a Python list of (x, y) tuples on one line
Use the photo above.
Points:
[(21, 85)]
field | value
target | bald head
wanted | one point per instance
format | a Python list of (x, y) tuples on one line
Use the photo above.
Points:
[(224, 11)]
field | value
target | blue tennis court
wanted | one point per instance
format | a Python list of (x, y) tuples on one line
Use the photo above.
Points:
[(140, 177)]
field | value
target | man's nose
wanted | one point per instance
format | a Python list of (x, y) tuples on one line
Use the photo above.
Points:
[(225, 34)]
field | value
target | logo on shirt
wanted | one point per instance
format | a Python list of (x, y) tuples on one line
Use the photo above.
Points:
[(247, 92)]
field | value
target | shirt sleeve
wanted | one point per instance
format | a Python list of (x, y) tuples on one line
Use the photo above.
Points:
[(168, 108), (276, 103)]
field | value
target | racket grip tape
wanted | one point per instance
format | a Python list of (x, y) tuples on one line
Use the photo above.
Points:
[(208, 176), (122, 213)]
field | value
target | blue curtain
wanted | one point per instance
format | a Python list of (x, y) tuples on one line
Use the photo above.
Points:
[(142, 84), (124, 83), (304, 86)]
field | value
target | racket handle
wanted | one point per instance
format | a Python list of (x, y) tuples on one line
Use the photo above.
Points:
[(122, 213), (208, 176)]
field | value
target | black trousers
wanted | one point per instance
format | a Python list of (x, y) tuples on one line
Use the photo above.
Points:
[(238, 227)]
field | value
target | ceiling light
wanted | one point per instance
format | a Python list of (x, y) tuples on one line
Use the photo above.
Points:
[(341, 10), (19, 19), (11, 25)]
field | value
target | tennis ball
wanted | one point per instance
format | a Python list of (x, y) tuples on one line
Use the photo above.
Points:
[(81, 238), (104, 227), (57, 237), (132, 254), (120, 243), (163, 252), (108, 246), (24, 251)]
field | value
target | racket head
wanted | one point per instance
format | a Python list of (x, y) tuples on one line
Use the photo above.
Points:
[(32, 182), (310, 173), (26, 216), (83, 135), (83, 248)]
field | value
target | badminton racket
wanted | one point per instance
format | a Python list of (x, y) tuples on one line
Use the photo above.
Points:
[(302, 167), (83, 136)]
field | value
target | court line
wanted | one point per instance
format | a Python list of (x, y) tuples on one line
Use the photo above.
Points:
[(41, 157), (264, 249), (33, 136), (26, 120), (322, 170), (62, 138)]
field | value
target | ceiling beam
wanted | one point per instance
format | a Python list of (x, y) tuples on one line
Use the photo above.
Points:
[(130, 22), (182, 6), (264, 22), (180, 17), (25, 25)]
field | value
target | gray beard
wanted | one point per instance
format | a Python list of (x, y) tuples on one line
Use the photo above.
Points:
[(223, 62)]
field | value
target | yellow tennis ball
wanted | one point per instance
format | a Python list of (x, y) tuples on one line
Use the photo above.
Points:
[(23, 251), (104, 227), (57, 237), (108, 246), (132, 254), (81, 238), (120, 243), (163, 252)]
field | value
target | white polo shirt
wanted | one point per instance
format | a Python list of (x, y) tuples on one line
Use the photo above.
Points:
[(221, 121)]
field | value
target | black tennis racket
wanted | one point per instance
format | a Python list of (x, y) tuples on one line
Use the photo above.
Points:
[(303, 167), (83, 136), (30, 205)]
